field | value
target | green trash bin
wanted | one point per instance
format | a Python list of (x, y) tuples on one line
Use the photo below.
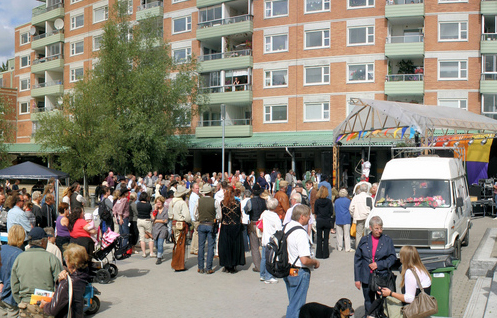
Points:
[(441, 289)]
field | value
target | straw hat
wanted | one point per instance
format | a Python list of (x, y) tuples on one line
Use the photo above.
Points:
[(206, 188), (181, 191), (283, 184)]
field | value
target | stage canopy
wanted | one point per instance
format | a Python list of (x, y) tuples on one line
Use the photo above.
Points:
[(30, 170)]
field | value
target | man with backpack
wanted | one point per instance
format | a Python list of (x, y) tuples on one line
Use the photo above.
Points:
[(299, 255)]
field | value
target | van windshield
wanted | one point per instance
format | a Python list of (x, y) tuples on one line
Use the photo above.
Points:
[(413, 193)]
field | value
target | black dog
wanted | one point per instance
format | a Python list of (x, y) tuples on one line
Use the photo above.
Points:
[(343, 308)]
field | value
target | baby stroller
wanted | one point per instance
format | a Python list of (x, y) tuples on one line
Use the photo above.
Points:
[(104, 268)]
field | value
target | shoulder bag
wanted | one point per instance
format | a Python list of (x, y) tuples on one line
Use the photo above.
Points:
[(422, 306), (353, 230), (377, 281)]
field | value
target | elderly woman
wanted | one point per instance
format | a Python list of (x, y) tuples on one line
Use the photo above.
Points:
[(159, 228), (9, 254), (81, 231), (180, 214), (270, 223), (63, 235), (375, 252), (76, 259), (323, 209), (343, 220)]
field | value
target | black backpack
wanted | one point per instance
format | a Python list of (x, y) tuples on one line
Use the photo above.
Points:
[(104, 211), (277, 253), (305, 200)]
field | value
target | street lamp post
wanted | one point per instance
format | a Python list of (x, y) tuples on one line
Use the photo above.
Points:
[(223, 122)]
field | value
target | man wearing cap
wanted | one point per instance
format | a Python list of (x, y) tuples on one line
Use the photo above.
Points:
[(254, 209), (16, 215), (192, 202), (282, 197), (34, 268), (180, 214), (207, 212)]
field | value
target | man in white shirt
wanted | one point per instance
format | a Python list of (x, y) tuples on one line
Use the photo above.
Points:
[(299, 255), (295, 200), (191, 205)]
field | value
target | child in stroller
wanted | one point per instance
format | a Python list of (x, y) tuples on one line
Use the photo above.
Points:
[(104, 268)]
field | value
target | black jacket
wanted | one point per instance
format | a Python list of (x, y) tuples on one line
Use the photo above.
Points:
[(323, 208), (59, 306)]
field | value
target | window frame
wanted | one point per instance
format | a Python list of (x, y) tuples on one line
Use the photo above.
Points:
[(459, 100), (367, 27), (323, 112), (186, 17), (349, 7), (28, 37), (74, 20), (20, 108), (75, 1), (483, 112), (106, 14), (271, 121), (28, 61), (270, 78), (28, 84), (93, 42), (73, 48), (323, 7), (323, 39), (367, 71), (459, 71), (188, 54), (73, 76), (459, 33), (323, 75), (271, 36), (272, 9)]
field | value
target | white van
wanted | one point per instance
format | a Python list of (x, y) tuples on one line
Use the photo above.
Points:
[(425, 202)]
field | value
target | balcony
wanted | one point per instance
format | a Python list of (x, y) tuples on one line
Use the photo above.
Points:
[(488, 83), (209, 3), (488, 7), (407, 46), (225, 61), (224, 27), (488, 43), (43, 13), (404, 84), (37, 111), (229, 94), (48, 88), (51, 63), (233, 128), (404, 8), (152, 9), (42, 40)]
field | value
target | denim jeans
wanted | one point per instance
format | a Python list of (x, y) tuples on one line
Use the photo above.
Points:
[(159, 244), (264, 273), (296, 288), (205, 233), (124, 229)]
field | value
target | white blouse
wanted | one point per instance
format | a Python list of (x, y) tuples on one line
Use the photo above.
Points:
[(411, 284)]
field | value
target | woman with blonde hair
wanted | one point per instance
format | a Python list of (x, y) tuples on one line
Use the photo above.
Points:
[(323, 209), (159, 227)]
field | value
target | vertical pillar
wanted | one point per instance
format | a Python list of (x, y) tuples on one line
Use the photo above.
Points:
[(197, 161), (229, 162), (261, 161)]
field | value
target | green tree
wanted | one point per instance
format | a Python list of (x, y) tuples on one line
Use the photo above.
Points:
[(4, 67), (7, 129)]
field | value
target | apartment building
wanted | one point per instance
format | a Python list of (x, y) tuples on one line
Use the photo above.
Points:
[(282, 71)]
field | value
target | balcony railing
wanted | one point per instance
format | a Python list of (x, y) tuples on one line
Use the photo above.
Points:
[(47, 59), (150, 5), (228, 122), (47, 84), (489, 36), (227, 88), (44, 35), (489, 76), (404, 77), (406, 39), (240, 18), (225, 55), (392, 2), (41, 10)]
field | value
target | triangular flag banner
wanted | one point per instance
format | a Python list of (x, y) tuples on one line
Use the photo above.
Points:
[(395, 132), (376, 131), (367, 133), (386, 131), (351, 136), (360, 133), (411, 133), (403, 132), (339, 138)]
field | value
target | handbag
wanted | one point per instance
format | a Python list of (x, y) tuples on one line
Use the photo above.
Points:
[(353, 229), (259, 225), (422, 306), (377, 281), (180, 225)]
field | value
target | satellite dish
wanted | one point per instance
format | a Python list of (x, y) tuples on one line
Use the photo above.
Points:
[(59, 24), (32, 31)]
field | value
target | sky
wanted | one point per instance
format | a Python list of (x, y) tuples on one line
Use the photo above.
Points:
[(12, 14)]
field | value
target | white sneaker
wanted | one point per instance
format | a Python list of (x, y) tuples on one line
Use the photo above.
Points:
[(271, 281), (261, 279), (153, 255)]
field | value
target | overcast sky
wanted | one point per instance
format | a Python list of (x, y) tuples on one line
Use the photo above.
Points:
[(13, 13)]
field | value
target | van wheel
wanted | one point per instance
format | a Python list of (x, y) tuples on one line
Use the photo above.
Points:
[(465, 242), (457, 249)]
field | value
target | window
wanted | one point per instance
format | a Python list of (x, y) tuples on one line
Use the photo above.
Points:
[(449, 1), (97, 41), (211, 14), (453, 31), (361, 35), (456, 103), (77, 21), (25, 61), (276, 43), (130, 6), (77, 47), (489, 62), (54, 49), (24, 108), (74, 1), (276, 8), (176, 1), (183, 24), (24, 84), (317, 75), (1, 82), (25, 38), (316, 111), (275, 113), (76, 74), (489, 105), (317, 39), (182, 55), (361, 4), (361, 73), (276, 78), (317, 5), (100, 14), (453, 70)]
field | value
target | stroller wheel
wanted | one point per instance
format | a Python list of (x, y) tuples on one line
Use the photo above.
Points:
[(112, 270), (102, 276), (94, 306)]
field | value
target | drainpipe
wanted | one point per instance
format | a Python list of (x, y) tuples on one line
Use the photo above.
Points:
[(293, 158)]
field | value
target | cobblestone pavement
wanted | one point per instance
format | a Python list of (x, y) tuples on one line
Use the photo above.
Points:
[(148, 290)]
